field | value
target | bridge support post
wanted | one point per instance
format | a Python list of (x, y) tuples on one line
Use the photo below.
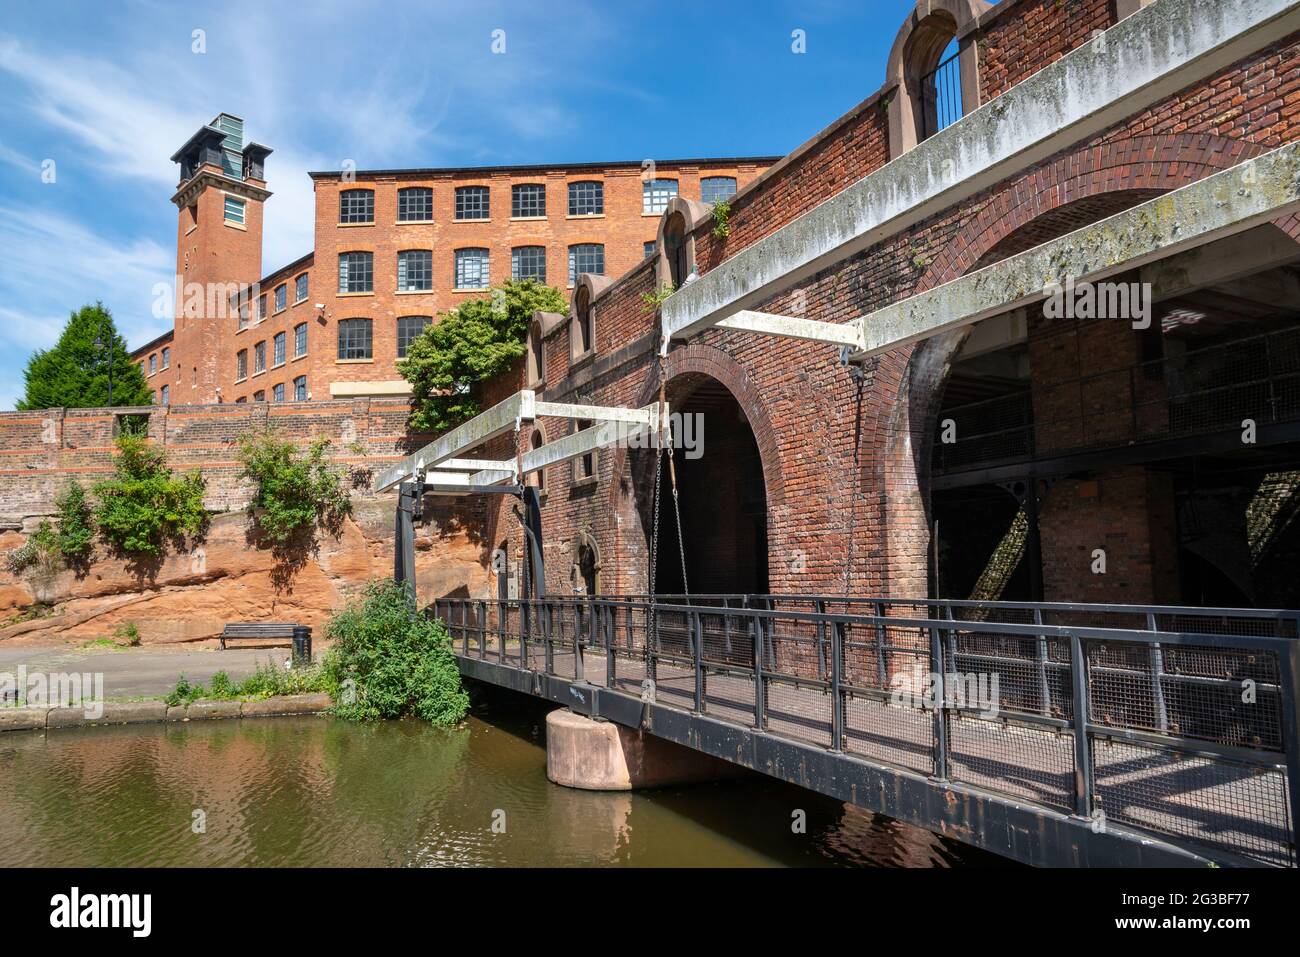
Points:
[(408, 504), (604, 756)]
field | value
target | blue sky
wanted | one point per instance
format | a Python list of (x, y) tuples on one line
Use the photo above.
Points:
[(109, 91)]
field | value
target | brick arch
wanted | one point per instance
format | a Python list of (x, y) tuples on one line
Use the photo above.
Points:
[(698, 359), (908, 382)]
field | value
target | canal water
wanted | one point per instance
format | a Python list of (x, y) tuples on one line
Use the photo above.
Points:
[(323, 792)]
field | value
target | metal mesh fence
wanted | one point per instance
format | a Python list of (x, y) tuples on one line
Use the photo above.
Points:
[(1221, 804), (1185, 733)]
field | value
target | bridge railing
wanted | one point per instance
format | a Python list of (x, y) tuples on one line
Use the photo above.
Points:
[(1180, 722)]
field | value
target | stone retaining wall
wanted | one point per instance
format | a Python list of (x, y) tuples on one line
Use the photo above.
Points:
[(143, 712)]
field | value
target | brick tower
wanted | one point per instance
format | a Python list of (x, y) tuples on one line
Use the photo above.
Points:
[(218, 250)]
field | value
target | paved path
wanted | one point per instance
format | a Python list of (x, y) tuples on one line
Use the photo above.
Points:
[(140, 672)]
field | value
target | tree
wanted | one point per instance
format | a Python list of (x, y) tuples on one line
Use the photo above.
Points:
[(74, 373), (477, 340)]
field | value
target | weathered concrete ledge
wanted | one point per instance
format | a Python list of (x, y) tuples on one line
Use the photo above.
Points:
[(144, 712), (1257, 191), (1137, 62)]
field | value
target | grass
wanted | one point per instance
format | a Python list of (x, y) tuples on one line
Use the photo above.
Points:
[(108, 643), (267, 681), (124, 636), (31, 613)]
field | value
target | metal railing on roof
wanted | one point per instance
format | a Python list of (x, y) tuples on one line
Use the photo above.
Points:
[(941, 90)]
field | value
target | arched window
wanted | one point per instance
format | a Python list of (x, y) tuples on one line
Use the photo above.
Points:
[(584, 467), (585, 574), (932, 71), (536, 370), (941, 92), (584, 331), (355, 339), (715, 189), (679, 266), (415, 205), (357, 206)]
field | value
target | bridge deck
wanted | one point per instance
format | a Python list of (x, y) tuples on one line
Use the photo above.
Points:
[(1225, 795)]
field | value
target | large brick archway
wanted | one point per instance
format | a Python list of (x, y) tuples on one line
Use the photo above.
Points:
[(683, 366), (698, 359), (1064, 194)]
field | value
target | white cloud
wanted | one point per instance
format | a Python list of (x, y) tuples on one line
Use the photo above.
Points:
[(114, 98), (14, 158), (55, 265)]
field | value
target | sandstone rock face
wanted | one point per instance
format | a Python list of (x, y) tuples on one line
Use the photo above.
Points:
[(191, 595)]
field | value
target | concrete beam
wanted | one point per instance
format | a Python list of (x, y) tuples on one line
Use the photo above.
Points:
[(792, 327), (1225, 262), (501, 418), (1141, 60), (1229, 202)]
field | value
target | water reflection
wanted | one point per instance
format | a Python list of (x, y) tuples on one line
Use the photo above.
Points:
[(313, 791)]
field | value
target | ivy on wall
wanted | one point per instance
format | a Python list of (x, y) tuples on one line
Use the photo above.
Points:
[(447, 363)]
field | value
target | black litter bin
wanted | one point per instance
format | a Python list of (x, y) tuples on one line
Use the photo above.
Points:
[(301, 645)]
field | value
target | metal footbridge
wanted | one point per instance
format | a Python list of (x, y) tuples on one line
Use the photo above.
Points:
[(1058, 734)]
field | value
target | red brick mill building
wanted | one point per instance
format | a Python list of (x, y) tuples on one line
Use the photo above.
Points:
[(1095, 459)]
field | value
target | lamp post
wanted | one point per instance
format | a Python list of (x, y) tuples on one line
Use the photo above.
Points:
[(99, 344)]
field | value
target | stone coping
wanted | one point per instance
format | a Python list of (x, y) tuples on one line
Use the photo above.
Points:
[(141, 712)]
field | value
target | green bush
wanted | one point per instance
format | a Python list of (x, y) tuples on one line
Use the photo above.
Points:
[(127, 634), (144, 504), (40, 551), (392, 661), (479, 339), (76, 524), (721, 219), (295, 490), (268, 681)]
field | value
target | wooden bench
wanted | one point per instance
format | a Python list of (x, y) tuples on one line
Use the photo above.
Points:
[(261, 629)]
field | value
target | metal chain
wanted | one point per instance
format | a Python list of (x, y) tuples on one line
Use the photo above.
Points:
[(681, 544), (651, 616), (853, 501)]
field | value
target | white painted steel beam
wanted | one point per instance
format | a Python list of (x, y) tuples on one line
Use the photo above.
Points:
[(447, 474), (498, 420), (792, 327), (594, 413), (473, 465), (577, 444)]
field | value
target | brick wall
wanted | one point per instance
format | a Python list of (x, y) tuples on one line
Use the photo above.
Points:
[(846, 465), (39, 451)]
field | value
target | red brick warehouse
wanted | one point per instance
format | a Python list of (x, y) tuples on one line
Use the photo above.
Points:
[(1088, 458), (393, 249)]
